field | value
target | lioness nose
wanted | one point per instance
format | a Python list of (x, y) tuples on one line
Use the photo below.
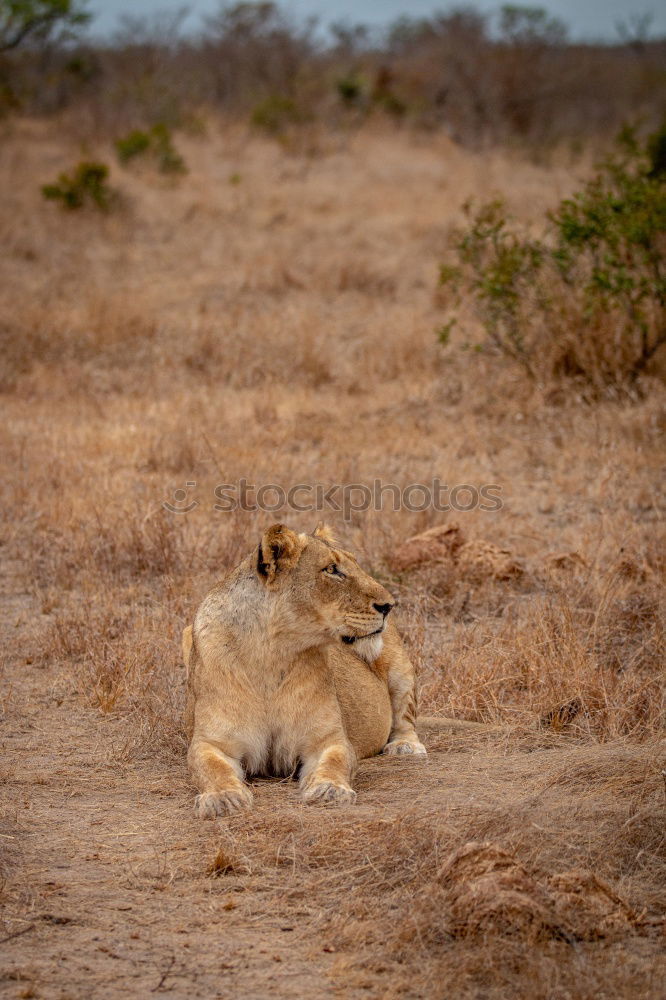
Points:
[(383, 608)]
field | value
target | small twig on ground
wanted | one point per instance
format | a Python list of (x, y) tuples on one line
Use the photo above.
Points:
[(16, 934), (164, 975)]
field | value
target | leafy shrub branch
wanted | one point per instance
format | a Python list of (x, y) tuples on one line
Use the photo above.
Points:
[(39, 21)]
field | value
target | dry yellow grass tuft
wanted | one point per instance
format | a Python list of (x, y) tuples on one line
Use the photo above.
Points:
[(280, 329)]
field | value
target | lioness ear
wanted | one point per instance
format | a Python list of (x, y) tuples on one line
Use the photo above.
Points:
[(324, 532), (279, 549)]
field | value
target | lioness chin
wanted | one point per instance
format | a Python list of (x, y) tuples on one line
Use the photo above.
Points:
[(294, 667)]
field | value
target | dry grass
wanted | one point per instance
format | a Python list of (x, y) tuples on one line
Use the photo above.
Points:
[(281, 329), (553, 904)]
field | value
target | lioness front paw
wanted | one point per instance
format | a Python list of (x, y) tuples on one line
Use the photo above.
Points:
[(405, 747), (331, 792), (208, 805)]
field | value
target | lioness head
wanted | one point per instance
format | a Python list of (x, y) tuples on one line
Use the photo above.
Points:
[(324, 589)]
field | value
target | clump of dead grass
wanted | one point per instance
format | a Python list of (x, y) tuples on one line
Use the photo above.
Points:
[(488, 891), (448, 546), (228, 861)]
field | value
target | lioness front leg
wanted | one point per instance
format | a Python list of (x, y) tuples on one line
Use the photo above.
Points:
[(219, 778), (327, 772), (401, 679)]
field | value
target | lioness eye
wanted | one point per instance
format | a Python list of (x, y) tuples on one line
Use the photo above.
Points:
[(333, 570)]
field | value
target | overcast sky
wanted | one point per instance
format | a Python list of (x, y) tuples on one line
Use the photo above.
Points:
[(592, 19)]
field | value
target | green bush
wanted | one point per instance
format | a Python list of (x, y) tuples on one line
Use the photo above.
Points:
[(87, 184), (351, 90), (589, 298), (169, 160), (134, 144), (276, 113), (158, 143)]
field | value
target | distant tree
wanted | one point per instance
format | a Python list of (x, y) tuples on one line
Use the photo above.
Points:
[(257, 50), (635, 31), (530, 25), (348, 38), (406, 32), (245, 21), (23, 21)]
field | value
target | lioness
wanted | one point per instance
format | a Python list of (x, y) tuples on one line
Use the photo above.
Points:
[(293, 664)]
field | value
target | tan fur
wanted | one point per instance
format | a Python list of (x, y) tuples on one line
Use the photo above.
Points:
[(291, 666)]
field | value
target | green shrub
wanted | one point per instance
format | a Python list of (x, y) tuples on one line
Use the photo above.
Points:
[(351, 90), (158, 143), (384, 96), (87, 184), (276, 113), (392, 105), (169, 160), (589, 298), (134, 144)]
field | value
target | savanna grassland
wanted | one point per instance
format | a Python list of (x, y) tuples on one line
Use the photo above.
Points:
[(272, 315)]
